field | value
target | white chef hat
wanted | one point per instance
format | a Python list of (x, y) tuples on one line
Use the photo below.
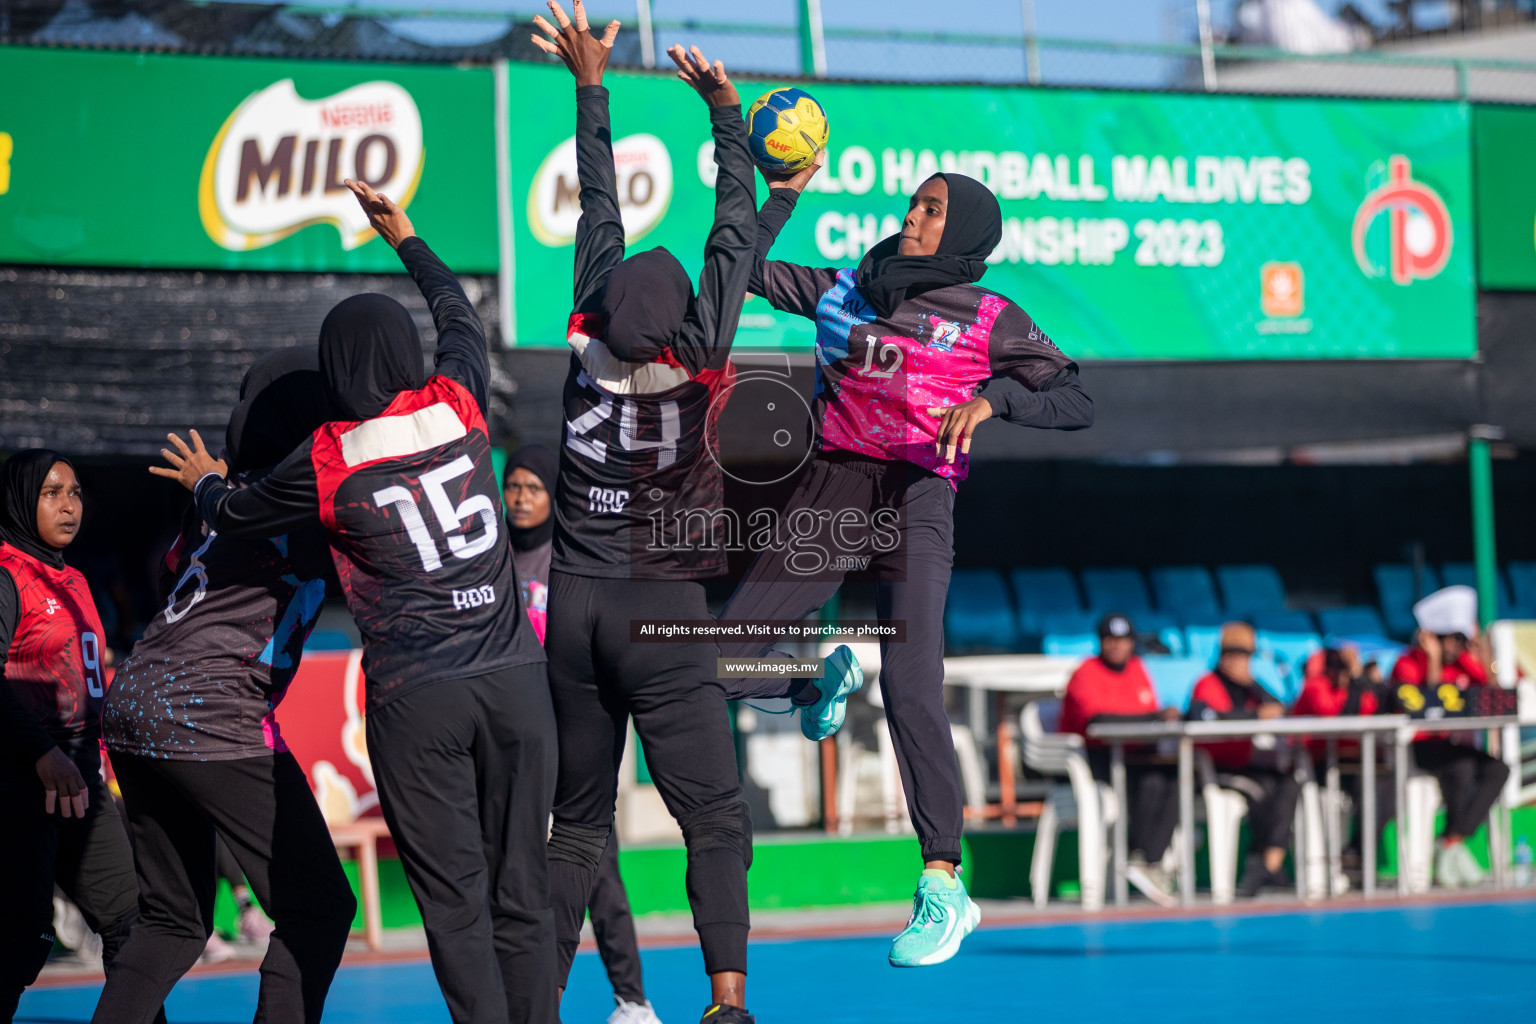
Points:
[(1449, 610)]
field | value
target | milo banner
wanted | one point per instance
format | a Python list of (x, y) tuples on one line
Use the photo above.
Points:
[(1506, 197), (1136, 226), (224, 163)]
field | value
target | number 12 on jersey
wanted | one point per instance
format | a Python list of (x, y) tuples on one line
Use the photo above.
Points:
[(449, 517)]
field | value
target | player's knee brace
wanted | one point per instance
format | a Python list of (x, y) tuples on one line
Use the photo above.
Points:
[(723, 826), (578, 844)]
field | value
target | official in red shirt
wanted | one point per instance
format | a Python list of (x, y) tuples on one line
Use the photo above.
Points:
[(1339, 684), (1450, 656), (60, 824), (1230, 691), (1113, 687)]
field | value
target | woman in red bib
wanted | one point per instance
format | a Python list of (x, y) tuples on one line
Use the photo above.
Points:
[(61, 826)]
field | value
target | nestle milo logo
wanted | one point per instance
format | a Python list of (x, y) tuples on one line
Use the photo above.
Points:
[(643, 175), (278, 163)]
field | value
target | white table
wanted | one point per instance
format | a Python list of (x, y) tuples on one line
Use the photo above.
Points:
[(1118, 734), (1002, 674)]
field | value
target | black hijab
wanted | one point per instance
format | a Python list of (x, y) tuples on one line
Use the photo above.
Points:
[(369, 353), (283, 399), (645, 299), (973, 225), (21, 485), (541, 462)]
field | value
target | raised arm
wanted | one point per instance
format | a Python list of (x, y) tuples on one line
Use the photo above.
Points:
[(461, 346), (284, 498), (704, 341), (789, 287), (599, 230)]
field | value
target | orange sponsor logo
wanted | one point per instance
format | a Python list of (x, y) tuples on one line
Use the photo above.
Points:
[(1281, 289)]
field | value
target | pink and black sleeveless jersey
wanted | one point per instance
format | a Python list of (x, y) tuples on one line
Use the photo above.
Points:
[(204, 681), (53, 664), (640, 479)]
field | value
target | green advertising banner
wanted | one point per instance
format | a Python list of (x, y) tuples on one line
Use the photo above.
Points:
[(1137, 226), (1505, 141), (125, 159)]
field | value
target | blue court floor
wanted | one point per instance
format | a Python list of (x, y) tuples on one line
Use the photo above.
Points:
[(1388, 964)]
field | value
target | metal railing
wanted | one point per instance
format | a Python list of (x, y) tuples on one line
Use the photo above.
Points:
[(783, 49)]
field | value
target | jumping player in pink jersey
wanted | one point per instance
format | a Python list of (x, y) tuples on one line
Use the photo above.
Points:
[(905, 344)]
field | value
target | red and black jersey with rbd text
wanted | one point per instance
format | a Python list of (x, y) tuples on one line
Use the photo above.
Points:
[(641, 488), (410, 503), (53, 664)]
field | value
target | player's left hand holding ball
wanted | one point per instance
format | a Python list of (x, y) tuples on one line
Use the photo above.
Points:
[(383, 215), (707, 79), (189, 465), (584, 55)]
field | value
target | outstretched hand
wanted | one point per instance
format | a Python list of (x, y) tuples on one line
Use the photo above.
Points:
[(799, 179), (707, 79), (189, 465), (584, 54), (383, 215)]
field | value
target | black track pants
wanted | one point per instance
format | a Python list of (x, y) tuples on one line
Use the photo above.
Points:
[(614, 927), (1152, 790), (1272, 796), (88, 858), (262, 810), (466, 771), (912, 583), (1469, 779), (600, 680)]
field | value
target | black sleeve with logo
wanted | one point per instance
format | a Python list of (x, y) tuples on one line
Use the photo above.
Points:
[(223, 646)]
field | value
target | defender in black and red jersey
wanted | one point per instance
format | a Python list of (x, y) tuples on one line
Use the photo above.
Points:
[(459, 722), (191, 725), (51, 687), (649, 360)]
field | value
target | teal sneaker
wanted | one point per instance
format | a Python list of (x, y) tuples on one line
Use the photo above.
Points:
[(943, 914), (825, 715)]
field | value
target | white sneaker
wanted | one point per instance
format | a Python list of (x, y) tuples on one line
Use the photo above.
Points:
[(1467, 867), (1151, 882), (217, 950), (1448, 867), (255, 926), (633, 1013)]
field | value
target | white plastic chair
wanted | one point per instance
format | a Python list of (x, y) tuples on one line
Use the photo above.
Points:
[(1224, 812), (1417, 822), (1081, 800), (854, 762)]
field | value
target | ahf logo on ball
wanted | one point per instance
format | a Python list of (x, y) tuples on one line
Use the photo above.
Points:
[(643, 170), (278, 163)]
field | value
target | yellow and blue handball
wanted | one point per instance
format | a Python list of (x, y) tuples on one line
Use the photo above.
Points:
[(786, 128)]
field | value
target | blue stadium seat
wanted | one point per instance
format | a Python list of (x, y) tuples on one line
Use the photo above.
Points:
[(1083, 645), (1250, 589), (1174, 678), (1202, 642), (1522, 586), (1041, 592), (1163, 626), (1351, 621), (1116, 590), (1185, 591), (979, 612), (1283, 622), (1288, 652), (1397, 594), (1454, 574)]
